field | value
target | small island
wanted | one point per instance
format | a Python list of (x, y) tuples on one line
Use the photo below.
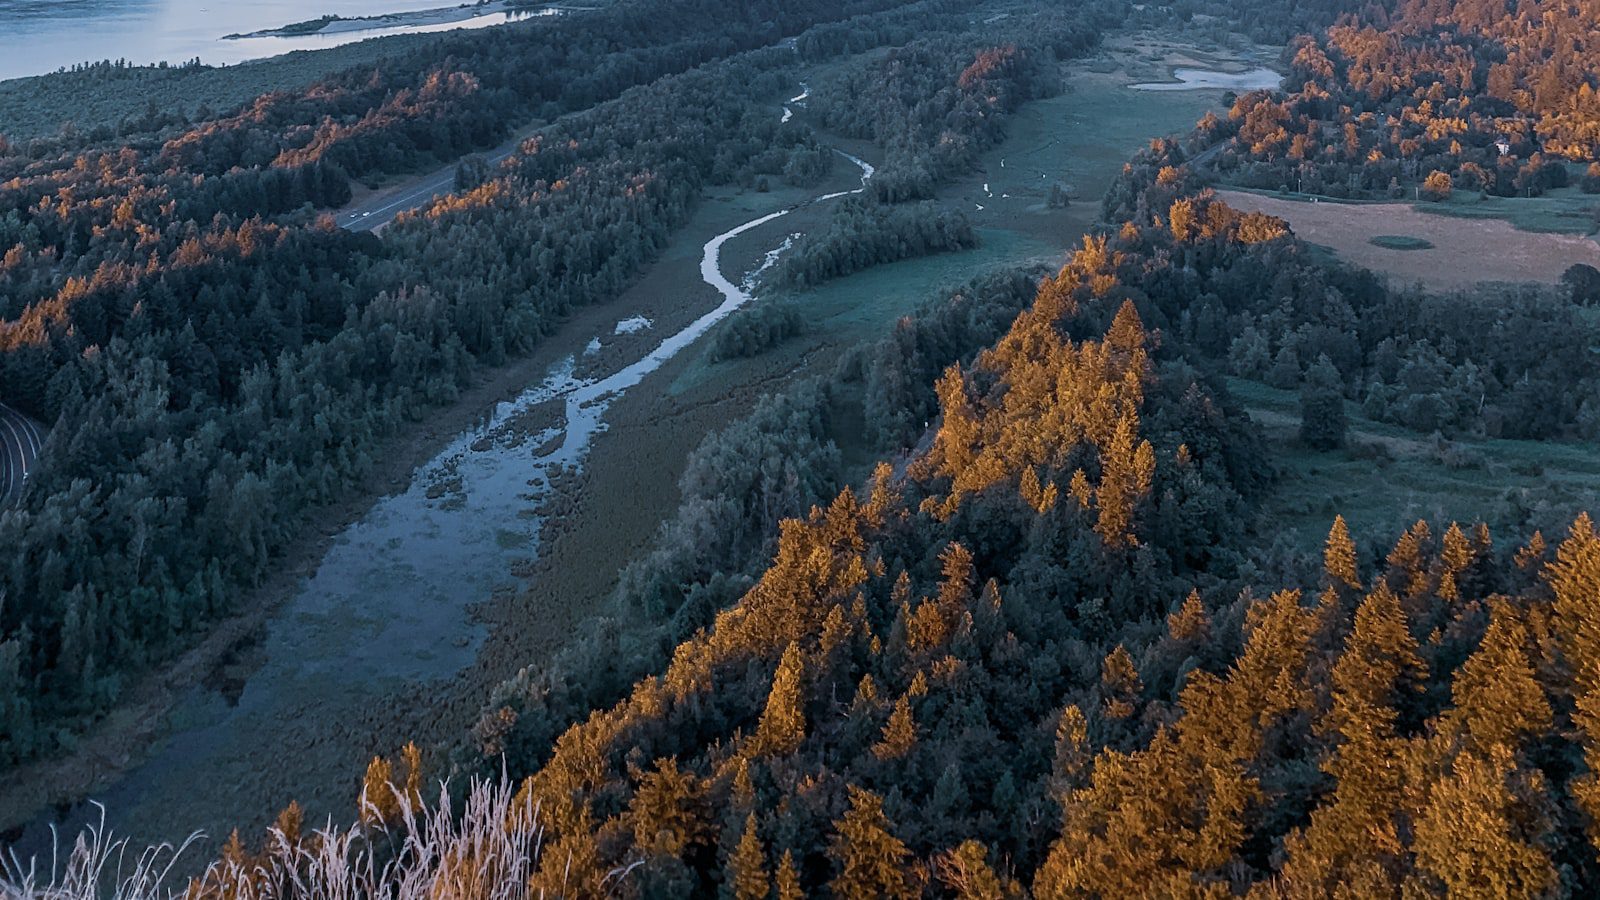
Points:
[(331, 24)]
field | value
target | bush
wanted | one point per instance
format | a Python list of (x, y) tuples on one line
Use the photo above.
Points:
[(1437, 186)]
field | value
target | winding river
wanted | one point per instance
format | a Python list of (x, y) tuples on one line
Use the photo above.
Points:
[(390, 603)]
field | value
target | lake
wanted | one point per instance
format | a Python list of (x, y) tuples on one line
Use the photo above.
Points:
[(39, 36), (1258, 79)]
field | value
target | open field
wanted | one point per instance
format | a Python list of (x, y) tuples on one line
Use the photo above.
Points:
[(1465, 252), (1561, 211), (1388, 477)]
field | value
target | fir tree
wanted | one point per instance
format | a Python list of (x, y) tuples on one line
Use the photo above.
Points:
[(871, 861), (747, 865), (783, 723), (1119, 683), (786, 881), (1339, 557), (899, 733)]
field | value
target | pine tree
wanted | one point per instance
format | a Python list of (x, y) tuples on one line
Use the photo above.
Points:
[(1477, 838), (1127, 465), (1119, 683), (1497, 699), (1339, 557), (786, 882), (1575, 579), (783, 724), (1190, 624), (899, 734), (747, 865), (379, 805), (667, 810), (871, 861), (1072, 749), (1353, 842), (1455, 555)]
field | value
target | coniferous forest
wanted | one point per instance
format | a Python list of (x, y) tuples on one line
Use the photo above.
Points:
[(1031, 631)]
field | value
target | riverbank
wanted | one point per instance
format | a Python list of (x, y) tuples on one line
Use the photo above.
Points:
[(444, 15)]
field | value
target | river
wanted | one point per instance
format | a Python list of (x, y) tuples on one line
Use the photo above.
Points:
[(39, 36), (390, 604)]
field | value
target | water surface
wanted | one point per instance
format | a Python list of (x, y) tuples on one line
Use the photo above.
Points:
[(39, 36), (1259, 79)]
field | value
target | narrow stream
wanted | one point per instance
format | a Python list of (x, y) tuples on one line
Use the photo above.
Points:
[(389, 603)]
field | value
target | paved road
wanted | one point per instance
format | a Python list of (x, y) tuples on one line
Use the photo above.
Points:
[(19, 447), (380, 209)]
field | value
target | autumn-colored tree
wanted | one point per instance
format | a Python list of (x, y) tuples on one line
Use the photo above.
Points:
[(1353, 846), (786, 881), (870, 860), (1119, 683), (1190, 623), (1339, 557), (1476, 837), (966, 872), (747, 865), (1169, 819), (1498, 702), (1437, 186), (1127, 465), (899, 733), (667, 810), (1574, 577), (379, 805), (783, 723)]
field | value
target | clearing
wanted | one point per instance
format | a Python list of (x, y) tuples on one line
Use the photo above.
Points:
[(1465, 252)]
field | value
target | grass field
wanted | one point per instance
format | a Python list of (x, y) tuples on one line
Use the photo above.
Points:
[(1465, 251), (1388, 477), (1562, 211)]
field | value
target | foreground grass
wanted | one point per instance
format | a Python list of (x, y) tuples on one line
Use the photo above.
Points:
[(489, 849)]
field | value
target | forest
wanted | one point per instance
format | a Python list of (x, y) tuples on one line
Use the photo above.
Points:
[(1043, 655), (1048, 644), (216, 358), (1426, 97)]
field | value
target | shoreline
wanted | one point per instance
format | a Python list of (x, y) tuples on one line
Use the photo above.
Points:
[(443, 15)]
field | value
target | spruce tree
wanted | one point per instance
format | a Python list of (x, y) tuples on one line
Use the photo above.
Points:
[(747, 865), (1339, 557), (871, 861), (899, 733), (1119, 683), (786, 881), (783, 723)]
